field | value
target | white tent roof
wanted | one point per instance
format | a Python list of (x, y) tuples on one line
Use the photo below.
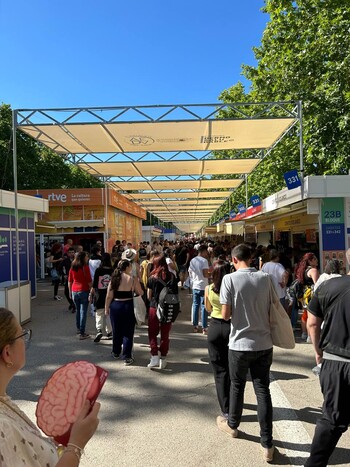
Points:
[(151, 155)]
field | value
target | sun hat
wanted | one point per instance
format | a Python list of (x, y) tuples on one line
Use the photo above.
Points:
[(129, 254)]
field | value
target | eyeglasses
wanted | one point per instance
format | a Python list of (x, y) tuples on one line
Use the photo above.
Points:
[(26, 336)]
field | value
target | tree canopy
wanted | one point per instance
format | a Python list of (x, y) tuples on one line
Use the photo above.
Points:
[(38, 167), (304, 55)]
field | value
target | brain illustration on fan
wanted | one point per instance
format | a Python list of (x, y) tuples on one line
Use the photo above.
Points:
[(64, 395)]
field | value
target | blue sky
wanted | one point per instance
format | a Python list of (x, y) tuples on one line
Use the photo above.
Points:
[(73, 53)]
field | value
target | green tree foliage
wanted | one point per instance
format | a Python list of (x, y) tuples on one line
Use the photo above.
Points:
[(304, 55), (37, 166)]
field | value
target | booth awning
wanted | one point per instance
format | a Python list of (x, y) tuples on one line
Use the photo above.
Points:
[(166, 152)]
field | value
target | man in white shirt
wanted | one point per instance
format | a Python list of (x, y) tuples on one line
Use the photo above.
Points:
[(199, 273), (278, 275)]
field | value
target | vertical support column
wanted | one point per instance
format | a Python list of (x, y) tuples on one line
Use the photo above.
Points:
[(42, 256), (106, 218), (246, 190), (15, 189), (301, 146)]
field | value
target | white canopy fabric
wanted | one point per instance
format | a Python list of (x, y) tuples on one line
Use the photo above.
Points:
[(213, 135), (148, 157)]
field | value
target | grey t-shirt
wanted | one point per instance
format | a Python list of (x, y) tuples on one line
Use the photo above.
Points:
[(247, 291)]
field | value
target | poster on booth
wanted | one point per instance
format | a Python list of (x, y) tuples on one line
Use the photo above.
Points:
[(333, 227)]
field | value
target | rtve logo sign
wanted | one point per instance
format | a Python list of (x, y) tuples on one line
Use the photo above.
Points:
[(57, 197)]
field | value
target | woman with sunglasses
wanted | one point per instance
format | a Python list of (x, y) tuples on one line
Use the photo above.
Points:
[(21, 442)]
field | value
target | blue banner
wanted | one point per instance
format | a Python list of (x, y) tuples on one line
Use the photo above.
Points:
[(241, 208), (292, 179), (232, 214), (255, 200)]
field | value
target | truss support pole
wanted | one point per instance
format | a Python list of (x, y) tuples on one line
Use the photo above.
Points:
[(106, 236), (246, 191), (15, 189), (301, 146)]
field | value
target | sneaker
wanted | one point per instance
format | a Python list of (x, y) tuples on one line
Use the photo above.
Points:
[(78, 332), (205, 331), (109, 336), (129, 361), (308, 340), (268, 453), (57, 297), (84, 336), (223, 426), (115, 355), (304, 336), (162, 363), (195, 328), (154, 361), (98, 336)]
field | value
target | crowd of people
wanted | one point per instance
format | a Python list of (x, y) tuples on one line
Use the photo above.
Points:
[(232, 288)]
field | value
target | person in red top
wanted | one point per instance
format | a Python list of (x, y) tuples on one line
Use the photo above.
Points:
[(79, 284)]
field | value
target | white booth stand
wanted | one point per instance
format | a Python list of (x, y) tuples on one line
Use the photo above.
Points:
[(18, 258)]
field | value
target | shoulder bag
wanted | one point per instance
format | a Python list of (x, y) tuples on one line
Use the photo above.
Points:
[(281, 328)]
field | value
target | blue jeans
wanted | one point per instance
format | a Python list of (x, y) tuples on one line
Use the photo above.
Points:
[(198, 304), (259, 363), (81, 301)]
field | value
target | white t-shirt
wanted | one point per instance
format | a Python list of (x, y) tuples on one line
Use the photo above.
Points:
[(276, 271), (195, 271), (170, 266)]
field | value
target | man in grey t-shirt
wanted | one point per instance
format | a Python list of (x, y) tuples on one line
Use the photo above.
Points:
[(245, 298)]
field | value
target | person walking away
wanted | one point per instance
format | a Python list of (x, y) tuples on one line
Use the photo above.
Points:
[(246, 296), (21, 442), (182, 256), (199, 273), (94, 263), (100, 283), (119, 306), (55, 261), (131, 255), (160, 277), (79, 284), (218, 337), (307, 274), (66, 265), (330, 305), (169, 261), (67, 246), (278, 275)]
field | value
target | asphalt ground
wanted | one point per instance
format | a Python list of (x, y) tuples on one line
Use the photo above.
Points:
[(157, 418)]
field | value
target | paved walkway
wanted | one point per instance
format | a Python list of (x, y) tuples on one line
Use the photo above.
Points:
[(152, 418)]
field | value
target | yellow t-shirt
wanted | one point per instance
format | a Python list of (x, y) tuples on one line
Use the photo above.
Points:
[(215, 303)]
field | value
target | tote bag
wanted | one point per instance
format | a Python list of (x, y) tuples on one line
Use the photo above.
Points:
[(281, 328), (139, 309)]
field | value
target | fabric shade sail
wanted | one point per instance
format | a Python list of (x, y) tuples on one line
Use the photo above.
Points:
[(154, 156)]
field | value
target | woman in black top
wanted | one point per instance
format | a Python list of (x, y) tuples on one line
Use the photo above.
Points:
[(98, 292), (120, 307), (160, 274), (56, 259)]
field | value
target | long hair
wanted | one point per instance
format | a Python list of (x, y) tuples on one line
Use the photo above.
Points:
[(160, 268), (79, 261), (220, 270), (106, 261), (7, 327), (302, 266), (122, 265), (56, 247)]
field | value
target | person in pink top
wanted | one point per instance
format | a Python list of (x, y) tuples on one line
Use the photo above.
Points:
[(79, 284)]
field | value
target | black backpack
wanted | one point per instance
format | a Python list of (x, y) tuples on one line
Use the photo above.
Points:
[(168, 304), (296, 289)]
